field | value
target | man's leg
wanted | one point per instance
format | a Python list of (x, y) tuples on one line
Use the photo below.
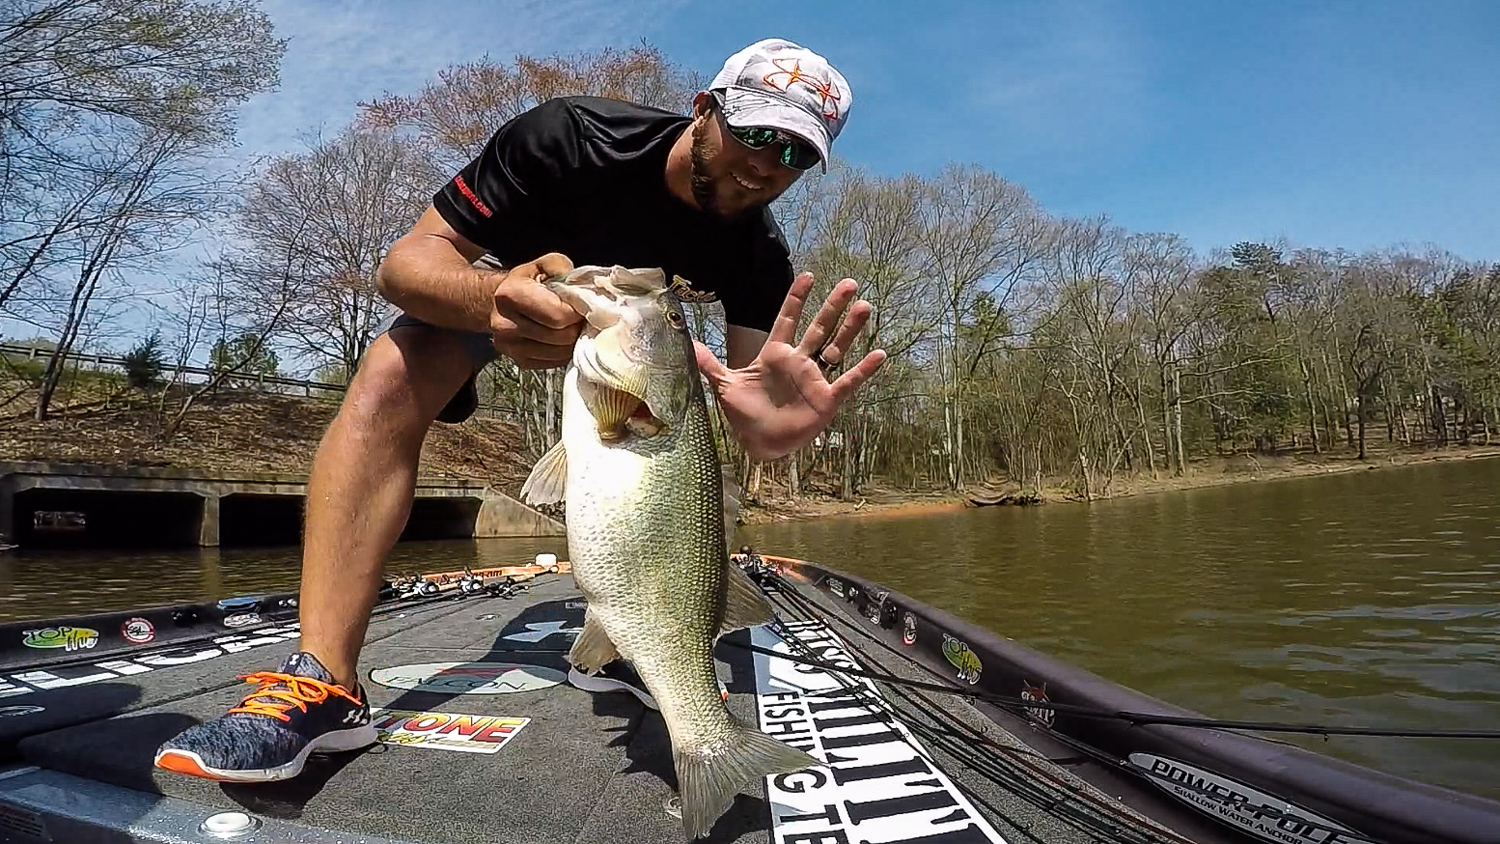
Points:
[(358, 500), (363, 480)]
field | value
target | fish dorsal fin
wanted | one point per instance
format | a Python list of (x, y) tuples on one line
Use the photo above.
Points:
[(746, 605), (548, 481)]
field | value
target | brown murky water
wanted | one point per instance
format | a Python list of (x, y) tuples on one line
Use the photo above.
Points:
[(1369, 598)]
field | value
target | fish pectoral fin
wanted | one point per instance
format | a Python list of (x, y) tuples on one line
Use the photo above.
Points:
[(746, 605), (548, 481), (593, 649)]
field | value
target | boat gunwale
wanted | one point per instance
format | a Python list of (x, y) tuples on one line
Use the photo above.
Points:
[(1383, 806)]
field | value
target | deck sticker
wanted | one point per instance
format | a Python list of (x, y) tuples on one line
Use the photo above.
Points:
[(67, 638), (60, 676), (878, 785), (1041, 714), (26, 823), (445, 730), (965, 660), (538, 630), (909, 629), (138, 631), (15, 711), (1251, 810), (469, 678), (244, 619)]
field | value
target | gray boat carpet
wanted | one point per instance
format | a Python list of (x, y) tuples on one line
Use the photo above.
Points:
[(583, 767)]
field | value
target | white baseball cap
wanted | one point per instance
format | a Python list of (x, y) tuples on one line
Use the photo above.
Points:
[(782, 85)]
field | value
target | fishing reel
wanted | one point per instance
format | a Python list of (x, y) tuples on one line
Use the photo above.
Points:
[(413, 586), (751, 563), (469, 584), (506, 588)]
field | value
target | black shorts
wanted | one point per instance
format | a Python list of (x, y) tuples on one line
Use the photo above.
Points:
[(481, 348), (479, 344)]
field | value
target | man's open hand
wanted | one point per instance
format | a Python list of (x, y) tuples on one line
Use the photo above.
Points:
[(781, 401)]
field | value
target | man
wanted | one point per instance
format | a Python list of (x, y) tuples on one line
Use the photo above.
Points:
[(576, 180)]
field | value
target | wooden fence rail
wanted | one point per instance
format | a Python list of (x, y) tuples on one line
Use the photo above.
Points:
[(32, 352)]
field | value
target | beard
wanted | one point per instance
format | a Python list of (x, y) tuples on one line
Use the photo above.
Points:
[(704, 184)]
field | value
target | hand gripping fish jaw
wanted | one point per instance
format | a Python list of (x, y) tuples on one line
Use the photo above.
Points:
[(635, 355)]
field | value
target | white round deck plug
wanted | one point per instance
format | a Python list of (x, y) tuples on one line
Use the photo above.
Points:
[(229, 825)]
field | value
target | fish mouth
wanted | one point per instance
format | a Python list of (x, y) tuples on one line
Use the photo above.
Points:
[(613, 377), (619, 414), (614, 389)]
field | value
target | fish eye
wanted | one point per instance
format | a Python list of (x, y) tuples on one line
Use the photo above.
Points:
[(674, 317)]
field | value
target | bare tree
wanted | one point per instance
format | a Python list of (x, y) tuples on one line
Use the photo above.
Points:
[(84, 83), (456, 115), (153, 200), (331, 213), (231, 304), (1161, 269), (979, 234)]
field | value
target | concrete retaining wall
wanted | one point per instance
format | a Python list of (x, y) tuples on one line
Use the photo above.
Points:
[(498, 515)]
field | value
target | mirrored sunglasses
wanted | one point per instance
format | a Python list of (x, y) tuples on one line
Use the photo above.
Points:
[(795, 152)]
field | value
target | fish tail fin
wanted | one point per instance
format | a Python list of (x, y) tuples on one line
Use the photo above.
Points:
[(708, 782)]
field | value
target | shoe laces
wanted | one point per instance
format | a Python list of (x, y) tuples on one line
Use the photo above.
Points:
[(297, 691)]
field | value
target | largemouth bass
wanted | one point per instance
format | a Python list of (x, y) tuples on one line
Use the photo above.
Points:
[(649, 513)]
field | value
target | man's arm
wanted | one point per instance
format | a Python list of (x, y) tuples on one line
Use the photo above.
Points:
[(429, 274)]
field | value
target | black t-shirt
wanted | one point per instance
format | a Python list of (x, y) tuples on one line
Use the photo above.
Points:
[(586, 176)]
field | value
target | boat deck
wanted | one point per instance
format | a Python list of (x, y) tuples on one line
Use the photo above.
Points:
[(537, 760)]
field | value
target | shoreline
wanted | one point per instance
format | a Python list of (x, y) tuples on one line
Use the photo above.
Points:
[(1202, 473), (248, 431)]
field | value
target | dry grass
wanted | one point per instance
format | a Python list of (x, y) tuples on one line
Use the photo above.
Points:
[(233, 431)]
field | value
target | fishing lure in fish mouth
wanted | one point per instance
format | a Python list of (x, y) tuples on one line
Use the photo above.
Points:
[(683, 290)]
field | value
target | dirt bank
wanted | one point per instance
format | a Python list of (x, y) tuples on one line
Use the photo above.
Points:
[(239, 431), (1202, 472), (253, 431)]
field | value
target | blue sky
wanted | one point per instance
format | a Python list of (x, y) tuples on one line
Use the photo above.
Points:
[(1333, 124)]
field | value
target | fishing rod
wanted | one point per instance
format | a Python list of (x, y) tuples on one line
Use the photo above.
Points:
[(409, 593)]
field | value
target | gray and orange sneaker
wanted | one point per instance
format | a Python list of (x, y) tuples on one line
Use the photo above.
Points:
[(292, 714)]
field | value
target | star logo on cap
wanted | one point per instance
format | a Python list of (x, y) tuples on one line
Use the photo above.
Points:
[(794, 75)]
